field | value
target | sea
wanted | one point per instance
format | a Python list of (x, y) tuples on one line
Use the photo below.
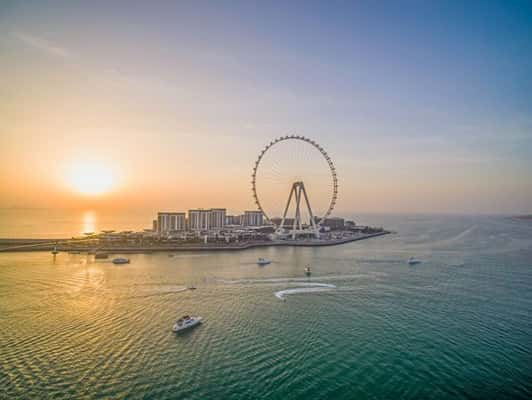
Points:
[(364, 325)]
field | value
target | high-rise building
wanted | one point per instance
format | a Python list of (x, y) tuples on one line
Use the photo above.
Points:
[(217, 218), (253, 218), (199, 220), (170, 221)]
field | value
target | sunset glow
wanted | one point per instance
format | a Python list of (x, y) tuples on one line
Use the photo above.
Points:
[(105, 116), (90, 179), (266, 199)]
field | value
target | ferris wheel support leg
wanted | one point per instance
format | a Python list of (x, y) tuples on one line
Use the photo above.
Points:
[(301, 192), (312, 222), (280, 229), (297, 218)]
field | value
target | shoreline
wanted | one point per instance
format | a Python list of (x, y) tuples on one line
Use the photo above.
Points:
[(11, 245)]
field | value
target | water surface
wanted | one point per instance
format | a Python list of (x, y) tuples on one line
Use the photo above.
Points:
[(456, 326)]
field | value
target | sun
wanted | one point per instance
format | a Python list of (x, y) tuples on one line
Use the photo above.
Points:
[(90, 178)]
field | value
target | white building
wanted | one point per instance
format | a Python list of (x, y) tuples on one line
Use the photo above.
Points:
[(217, 218), (171, 221), (199, 220), (253, 218), (233, 220)]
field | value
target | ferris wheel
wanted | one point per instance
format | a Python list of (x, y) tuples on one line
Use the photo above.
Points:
[(295, 170)]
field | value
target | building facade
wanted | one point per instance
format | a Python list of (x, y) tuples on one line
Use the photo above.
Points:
[(217, 218), (171, 221), (334, 223), (253, 218), (234, 219), (199, 220)]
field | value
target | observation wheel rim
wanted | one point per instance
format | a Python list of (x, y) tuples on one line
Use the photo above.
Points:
[(318, 147)]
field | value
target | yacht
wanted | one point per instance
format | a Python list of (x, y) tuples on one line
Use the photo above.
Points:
[(307, 270), (263, 261), (186, 322), (413, 261), (120, 260)]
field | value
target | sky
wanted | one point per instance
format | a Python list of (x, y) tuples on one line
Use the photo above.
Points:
[(424, 107)]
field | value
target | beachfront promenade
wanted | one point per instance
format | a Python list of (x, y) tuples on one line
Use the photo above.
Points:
[(20, 245)]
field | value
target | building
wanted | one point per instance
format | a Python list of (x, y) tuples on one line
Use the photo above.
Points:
[(233, 220), (199, 220), (334, 223), (253, 218), (204, 220), (170, 221), (217, 218)]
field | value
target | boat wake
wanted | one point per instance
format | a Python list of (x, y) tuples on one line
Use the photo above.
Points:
[(300, 281), (310, 288), (161, 291)]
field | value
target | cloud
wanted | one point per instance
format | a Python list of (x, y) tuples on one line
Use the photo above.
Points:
[(42, 44)]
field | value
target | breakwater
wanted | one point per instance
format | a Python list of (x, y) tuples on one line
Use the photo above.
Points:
[(22, 245)]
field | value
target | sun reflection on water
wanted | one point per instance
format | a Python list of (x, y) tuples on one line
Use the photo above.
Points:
[(88, 222)]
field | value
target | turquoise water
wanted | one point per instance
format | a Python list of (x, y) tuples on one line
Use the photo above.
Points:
[(459, 325)]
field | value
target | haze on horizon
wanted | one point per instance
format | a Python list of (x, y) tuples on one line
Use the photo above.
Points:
[(424, 106)]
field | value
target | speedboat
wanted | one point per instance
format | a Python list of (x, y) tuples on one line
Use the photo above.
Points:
[(186, 322), (263, 261), (307, 270), (120, 260), (413, 261)]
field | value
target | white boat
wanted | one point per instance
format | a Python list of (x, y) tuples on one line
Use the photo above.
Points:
[(413, 261), (186, 322), (263, 261), (120, 260), (307, 270)]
